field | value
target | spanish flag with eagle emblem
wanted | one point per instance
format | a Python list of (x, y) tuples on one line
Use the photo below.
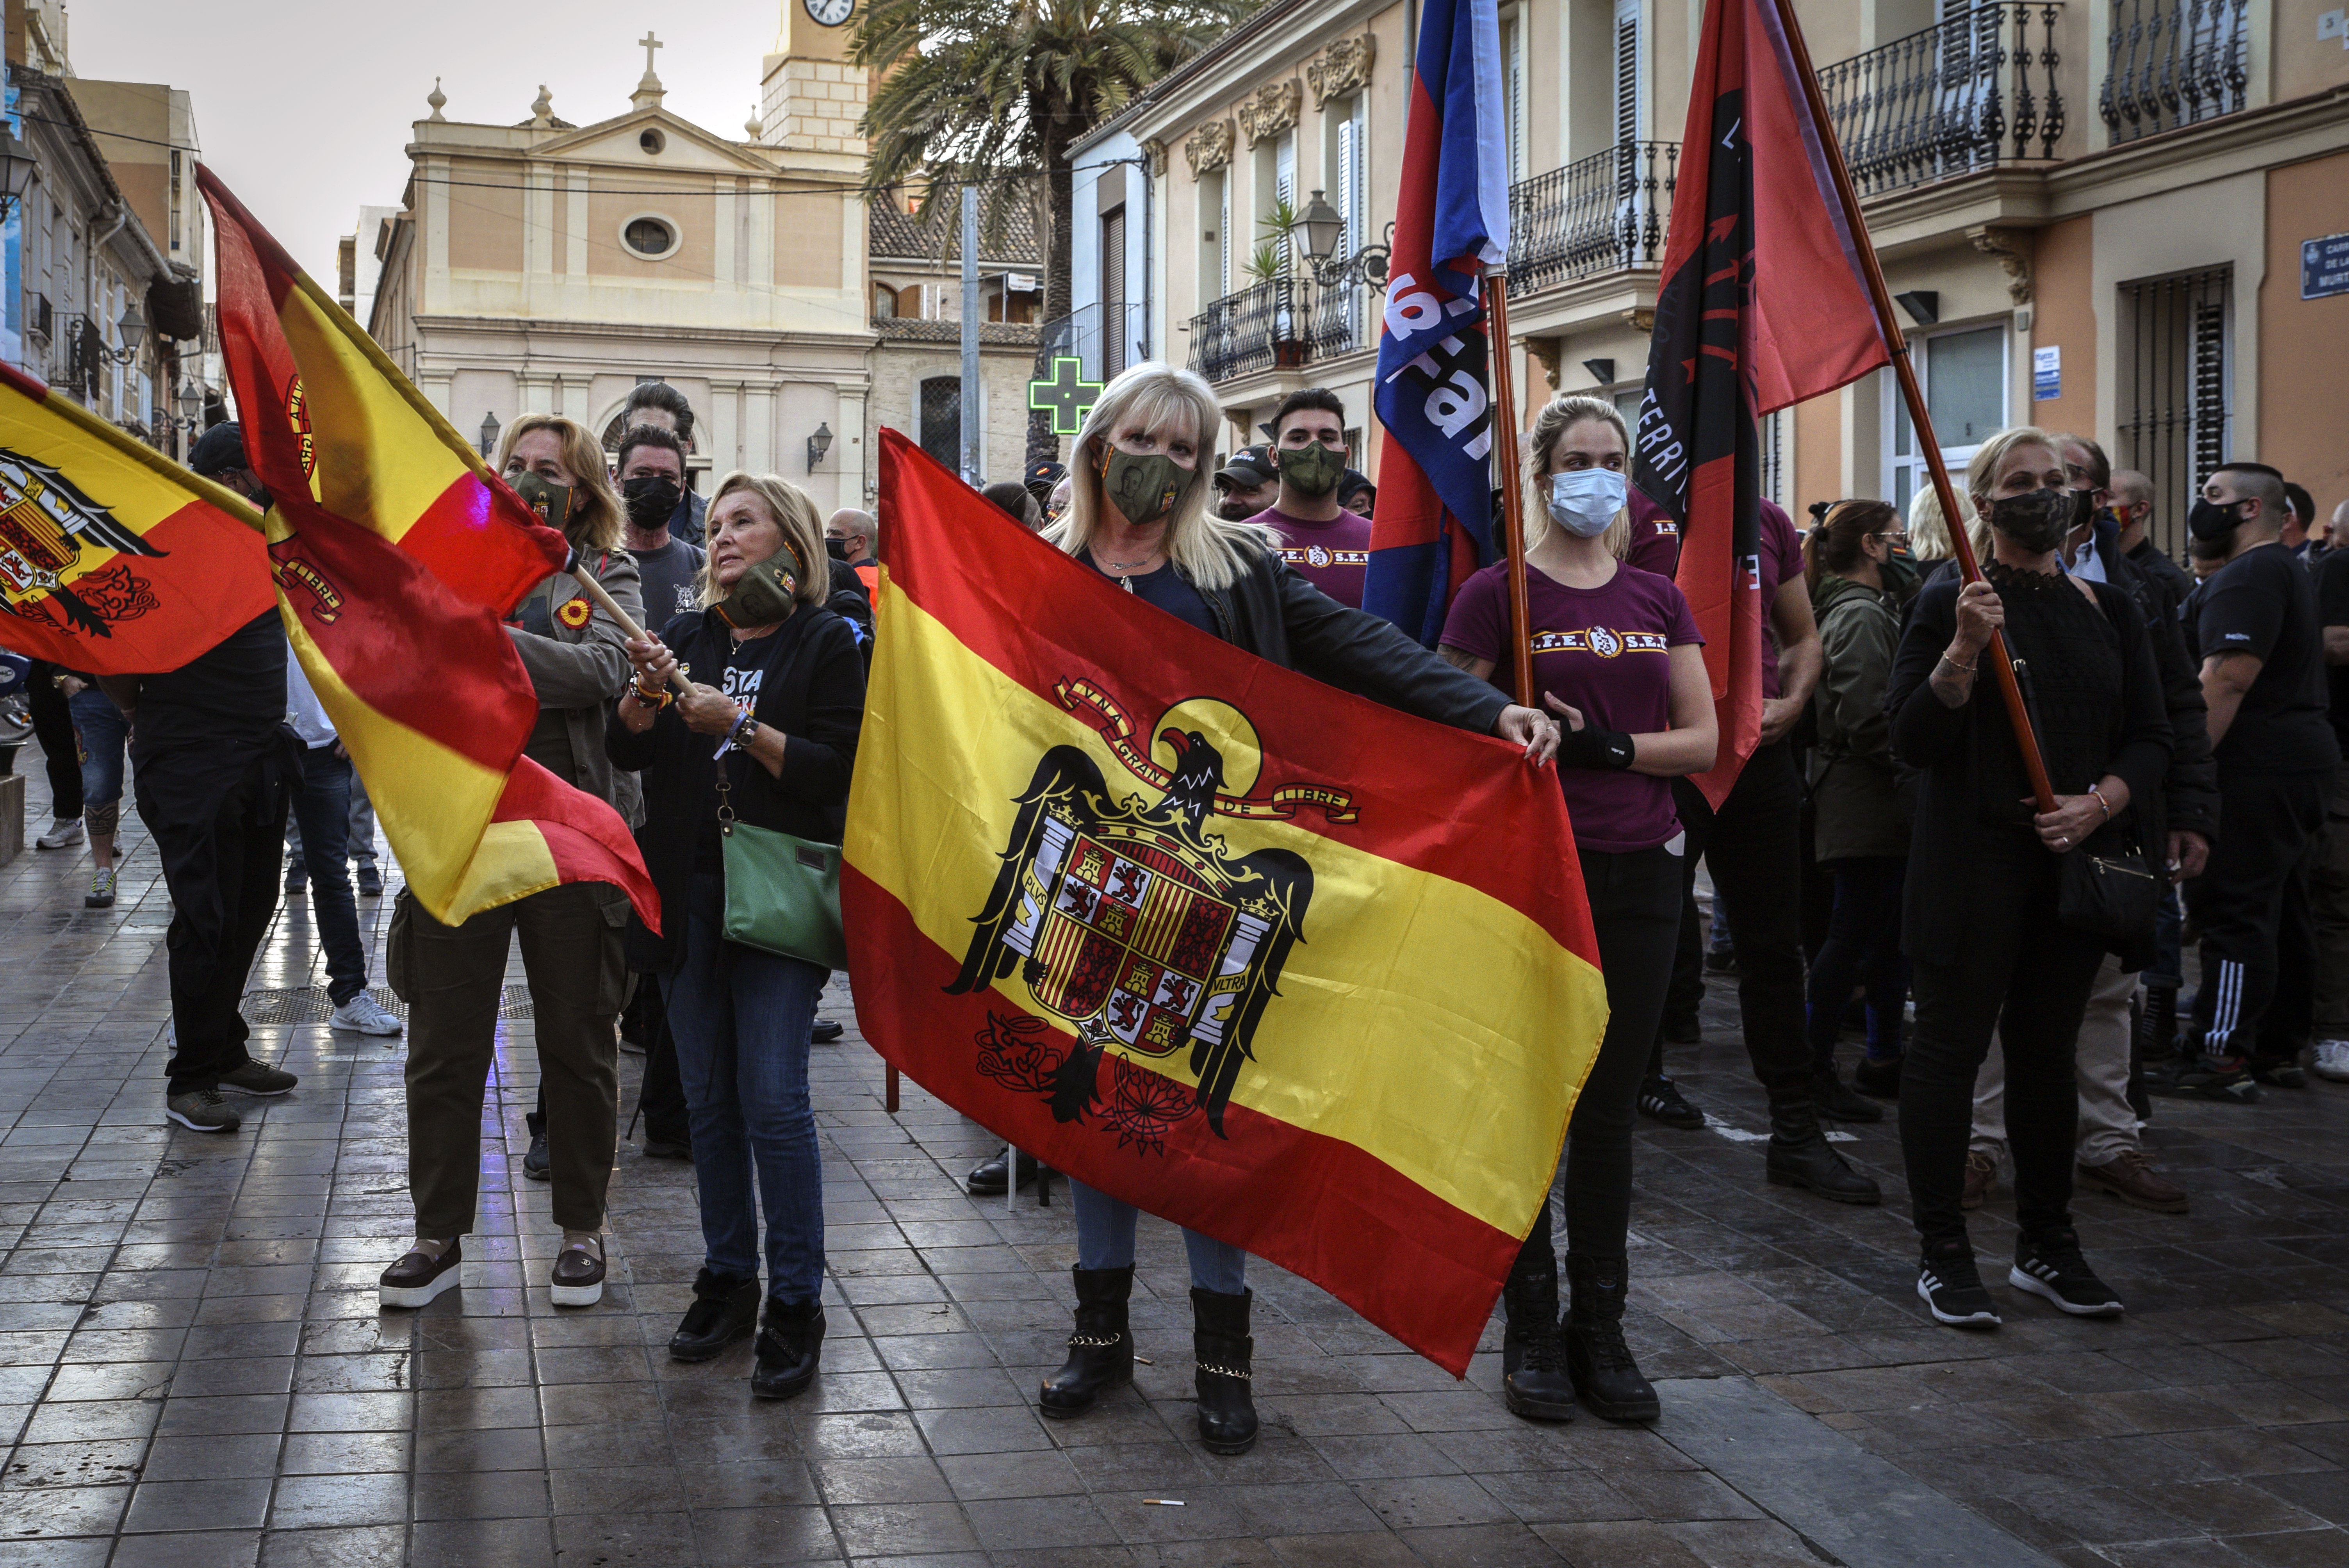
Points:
[(1309, 976), (397, 554), (114, 560)]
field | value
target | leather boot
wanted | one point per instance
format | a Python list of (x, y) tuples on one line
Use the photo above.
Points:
[(724, 1309), (790, 1343), (1800, 1156), (1605, 1376), (1533, 1381), (1226, 1353), (1100, 1349)]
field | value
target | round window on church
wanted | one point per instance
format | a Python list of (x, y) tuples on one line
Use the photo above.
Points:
[(649, 237), (652, 142)]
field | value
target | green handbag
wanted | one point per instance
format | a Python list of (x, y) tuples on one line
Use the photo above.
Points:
[(782, 893)]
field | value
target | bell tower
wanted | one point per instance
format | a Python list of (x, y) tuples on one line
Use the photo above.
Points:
[(810, 97)]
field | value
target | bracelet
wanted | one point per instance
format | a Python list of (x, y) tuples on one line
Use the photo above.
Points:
[(2108, 805), (1962, 669), (742, 722), (656, 700)]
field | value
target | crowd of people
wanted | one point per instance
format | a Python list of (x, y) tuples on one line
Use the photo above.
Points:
[(1998, 927)]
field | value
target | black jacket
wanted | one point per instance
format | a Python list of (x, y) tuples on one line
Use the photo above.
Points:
[(813, 693), (2188, 802), (1277, 615)]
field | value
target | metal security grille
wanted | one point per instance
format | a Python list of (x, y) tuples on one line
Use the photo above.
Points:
[(311, 1004), (942, 419), (2177, 399)]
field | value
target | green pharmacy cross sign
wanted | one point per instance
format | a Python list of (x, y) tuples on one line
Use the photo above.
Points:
[(1067, 395)]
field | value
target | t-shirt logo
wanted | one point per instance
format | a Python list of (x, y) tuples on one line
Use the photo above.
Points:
[(1604, 641), (1317, 555), (742, 685)]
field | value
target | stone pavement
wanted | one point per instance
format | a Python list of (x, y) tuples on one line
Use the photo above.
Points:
[(193, 1370)]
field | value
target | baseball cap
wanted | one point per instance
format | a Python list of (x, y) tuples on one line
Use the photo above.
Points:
[(1249, 469), (218, 449)]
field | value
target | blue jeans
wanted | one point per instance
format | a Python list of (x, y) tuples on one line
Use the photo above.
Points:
[(1105, 1241), (359, 829), (322, 812), (98, 730), (2167, 970), (741, 1018)]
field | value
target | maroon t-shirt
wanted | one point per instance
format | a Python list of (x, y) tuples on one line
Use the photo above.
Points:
[(1656, 547), (1606, 651), (1334, 556)]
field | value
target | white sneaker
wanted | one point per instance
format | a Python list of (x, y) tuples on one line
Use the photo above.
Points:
[(2333, 1060), (62, 834), (366, 1014)]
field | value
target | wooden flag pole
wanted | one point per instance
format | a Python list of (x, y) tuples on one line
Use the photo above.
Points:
[(1513, 501), (1913, 396), (594, 589)]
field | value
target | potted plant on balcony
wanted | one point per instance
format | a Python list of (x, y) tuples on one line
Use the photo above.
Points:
[(1268, 265)]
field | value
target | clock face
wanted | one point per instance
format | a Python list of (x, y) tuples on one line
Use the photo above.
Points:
[(831, 12)]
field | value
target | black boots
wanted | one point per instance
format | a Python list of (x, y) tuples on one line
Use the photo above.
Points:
[(1800, 1156), (1534, 1379), (1220, 1341), (1100, 1349), (1605, 1376), (723, 1311), (788, 1346)]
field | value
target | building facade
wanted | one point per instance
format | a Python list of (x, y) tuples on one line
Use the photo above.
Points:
[(542, 266), (2112, 217)]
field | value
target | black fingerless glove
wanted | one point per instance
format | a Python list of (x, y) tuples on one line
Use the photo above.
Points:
[(1604, 750)]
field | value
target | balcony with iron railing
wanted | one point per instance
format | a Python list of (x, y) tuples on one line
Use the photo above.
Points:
[(1104, 337), (2172, 63), (1606, 212), (1981, 89), (1284, 323)]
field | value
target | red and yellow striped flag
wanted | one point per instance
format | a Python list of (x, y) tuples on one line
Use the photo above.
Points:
[(397, 553), (1294, 970), (114, 560)]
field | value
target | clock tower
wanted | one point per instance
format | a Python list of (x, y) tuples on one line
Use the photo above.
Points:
[(810, 97)]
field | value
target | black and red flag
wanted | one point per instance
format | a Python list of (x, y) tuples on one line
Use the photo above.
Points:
[(1765, 302)]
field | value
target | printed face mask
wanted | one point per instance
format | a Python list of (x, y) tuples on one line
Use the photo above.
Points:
[(2037, 521), (1584, 502), (762, 596), (1143, 489), (1312, 470), (652, 499), (551, 501)]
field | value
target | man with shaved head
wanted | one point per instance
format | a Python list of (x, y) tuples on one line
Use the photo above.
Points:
[(2263, 679)]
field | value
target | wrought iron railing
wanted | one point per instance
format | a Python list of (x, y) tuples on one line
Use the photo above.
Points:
[(1104, 338), (1600, 213), (1964, 95), (1261, 327), (2174, 62), (1343, 321)]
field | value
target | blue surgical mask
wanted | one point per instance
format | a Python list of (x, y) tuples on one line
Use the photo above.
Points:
[(1584, 502)]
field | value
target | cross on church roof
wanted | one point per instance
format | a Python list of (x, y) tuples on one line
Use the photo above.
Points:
[(649, 43)]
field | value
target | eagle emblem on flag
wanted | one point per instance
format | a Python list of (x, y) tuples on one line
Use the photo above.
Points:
[(46, 520), (1130, 922)]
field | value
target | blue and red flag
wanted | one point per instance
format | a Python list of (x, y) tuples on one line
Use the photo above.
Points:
[(1765, 302), (1434, 521)]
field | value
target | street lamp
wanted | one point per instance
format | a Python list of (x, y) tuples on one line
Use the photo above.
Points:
[(15, 171), (819, 444), (192, 403), (1322, 225), (132, 326), (488, 434)]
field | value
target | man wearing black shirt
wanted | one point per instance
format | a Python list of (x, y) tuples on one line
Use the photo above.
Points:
[(2263, 679), (2329, 870)]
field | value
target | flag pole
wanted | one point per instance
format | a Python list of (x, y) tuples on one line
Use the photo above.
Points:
[(1513, 502), (1896, 342), (594, 589)]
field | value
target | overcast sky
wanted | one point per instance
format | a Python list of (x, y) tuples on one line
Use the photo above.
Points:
[(303, 108)]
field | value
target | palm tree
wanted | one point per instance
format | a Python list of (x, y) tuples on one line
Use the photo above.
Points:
[(970, 89)]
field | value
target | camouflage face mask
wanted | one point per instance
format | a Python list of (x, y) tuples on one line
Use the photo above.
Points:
[(1312, 471), (551, 501), (764, 595), (1143, 490)]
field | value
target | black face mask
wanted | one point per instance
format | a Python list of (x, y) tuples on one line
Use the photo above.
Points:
[(652, 499), (2037, 521), (2213, 520), (836, 548)]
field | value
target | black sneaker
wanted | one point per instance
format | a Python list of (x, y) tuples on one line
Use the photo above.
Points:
[(2278, 1071), (370, 881), (1660, 1100), (2223, 1078), (536, 1163), (2051, 1265), (297, 879), (1950, 1286), (824, 1031)]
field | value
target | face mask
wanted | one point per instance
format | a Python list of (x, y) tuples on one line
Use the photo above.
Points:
[(1584, 502), (836, 548), (1314, 470), (2213, 520), (551, 501), (652, 499), (764, 595), (1143, 490), (2037, 521)]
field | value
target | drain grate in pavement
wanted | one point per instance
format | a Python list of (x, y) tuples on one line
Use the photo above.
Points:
[(310, 1005)]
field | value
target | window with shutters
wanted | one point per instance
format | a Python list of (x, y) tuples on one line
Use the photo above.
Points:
[(1513, 87), (939, 414), (1113, 332), (1631, 113), (2176, 375), (1215, 238), (1349, 174), (1284, 191)]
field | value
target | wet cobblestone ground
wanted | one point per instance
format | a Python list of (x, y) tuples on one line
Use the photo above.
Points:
[(193, 1370)]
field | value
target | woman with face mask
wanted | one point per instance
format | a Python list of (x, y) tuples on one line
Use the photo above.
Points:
[(1616, 656), (571, 936), (1982, 892), (1138, 514)]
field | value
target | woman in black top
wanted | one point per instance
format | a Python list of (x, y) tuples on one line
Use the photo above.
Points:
[(777, 698), (1138, 514), (1981, 901)]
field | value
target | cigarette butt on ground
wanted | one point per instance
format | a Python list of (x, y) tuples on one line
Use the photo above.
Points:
[(1145, 1360), (1162, 1502)]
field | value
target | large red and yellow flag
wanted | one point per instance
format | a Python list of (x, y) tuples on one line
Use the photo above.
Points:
[(1288, 967), (114, 560), (397, 553)]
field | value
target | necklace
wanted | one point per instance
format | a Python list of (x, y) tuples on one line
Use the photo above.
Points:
[(1122, 570)]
